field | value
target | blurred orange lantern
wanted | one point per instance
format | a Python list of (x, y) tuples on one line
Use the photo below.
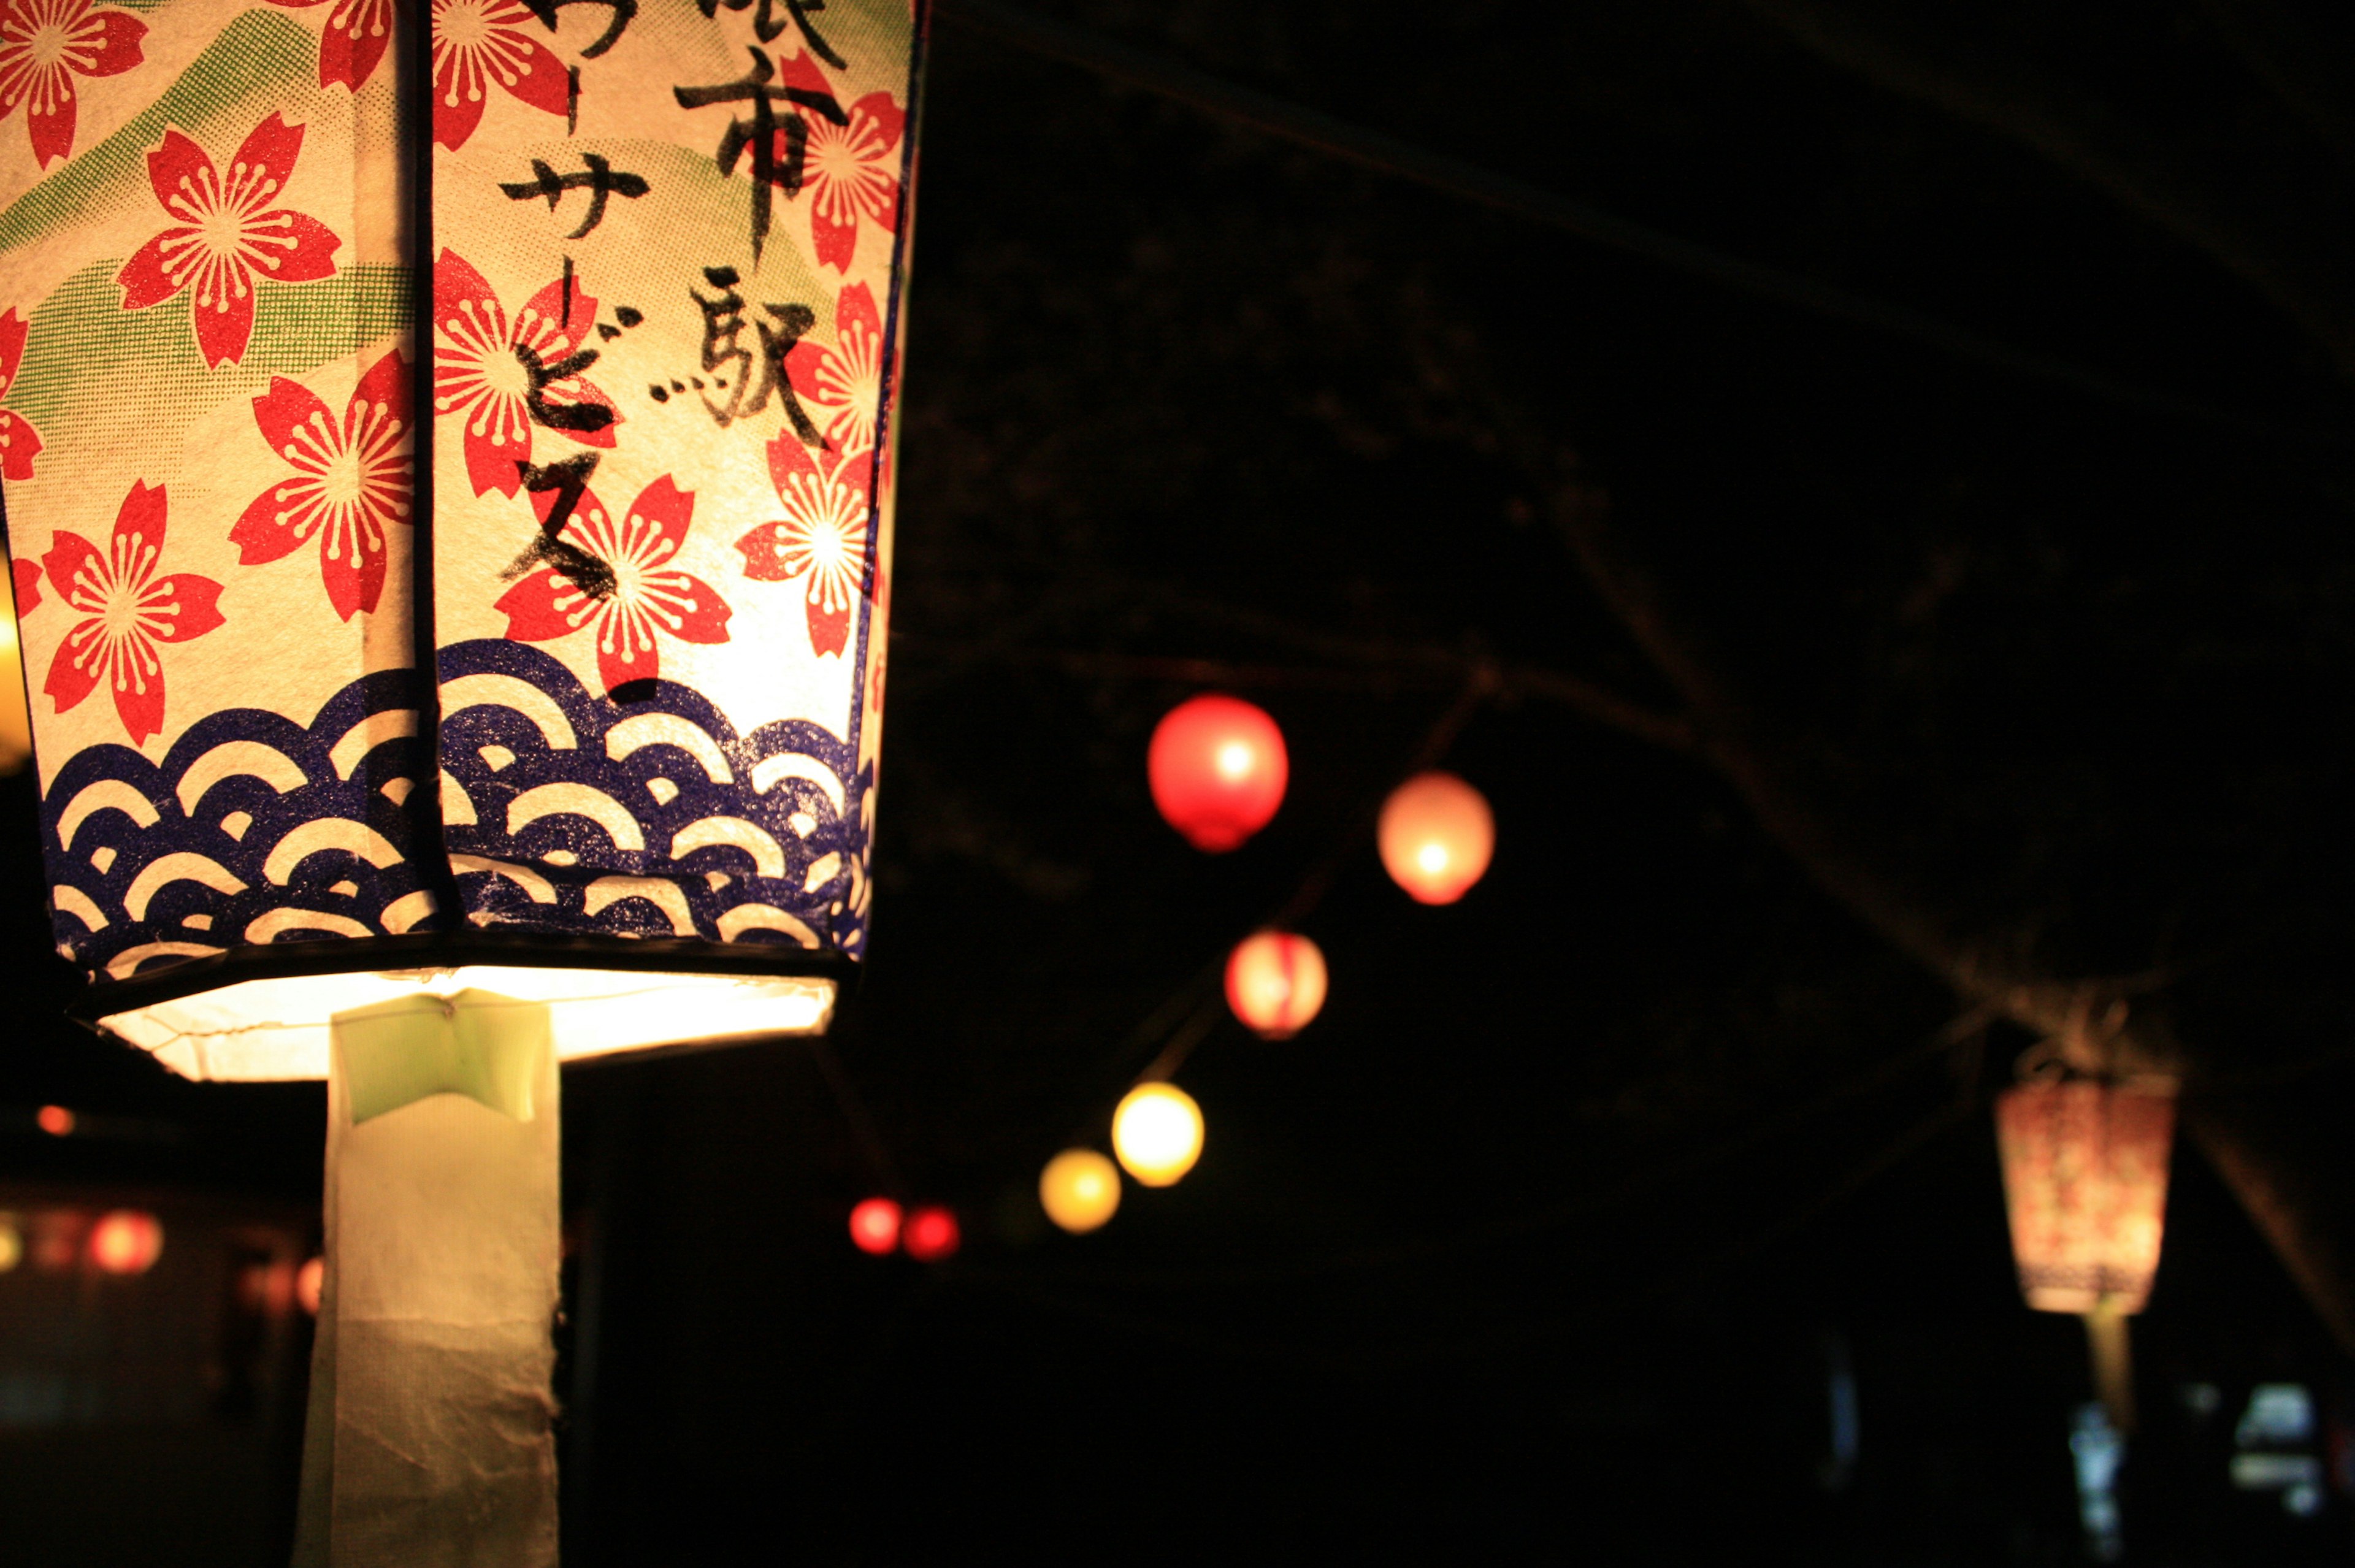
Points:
[(875, 1226), (2084, 1176), (1435, 835), (1080, 1189), (1218, 769), (1275, 983), (55, 1120), (931, 1234), (125, 1242), (2084, 1179), (310, 1280)]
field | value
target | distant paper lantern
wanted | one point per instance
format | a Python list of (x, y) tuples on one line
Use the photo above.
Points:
[(1080, 1189), (126, 1241), (1157, 1131), (1218, 769), (12, 1244), (309, 1281), (2084, 1176), (1435, 836), (931, 1234), (442, 658), (875, 1226), (1275, 983)]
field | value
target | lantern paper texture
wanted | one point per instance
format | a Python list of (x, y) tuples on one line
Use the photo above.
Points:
[(660, 327), (2084, 1176)]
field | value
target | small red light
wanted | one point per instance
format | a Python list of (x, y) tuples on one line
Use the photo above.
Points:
[(309, 1280), (1218, 769), (55, 1120), (931, 1235), (875, 1226), (126, 1241)]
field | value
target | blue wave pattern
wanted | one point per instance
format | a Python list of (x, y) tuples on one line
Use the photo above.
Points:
[(567, 811), (253, 829)]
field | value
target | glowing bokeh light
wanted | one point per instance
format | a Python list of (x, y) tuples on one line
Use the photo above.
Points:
[(875, 1226), (1080, 1189), (126, 1241), (11, 1244), (1435, 836), (55, 1120), (1275, 983), (309, 1281), (1157, 1133), (2084, 1179), (931, 1234), (1218, 768)]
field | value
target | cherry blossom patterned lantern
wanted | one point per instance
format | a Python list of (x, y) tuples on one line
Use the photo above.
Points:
[(1218, 769), (447, 455), (1435, 836), (1275, 983)]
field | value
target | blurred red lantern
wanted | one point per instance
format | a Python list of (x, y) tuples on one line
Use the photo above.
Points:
[(55, 1120), (2085, 1177), (931, 1234), (875, 1226), (1275, 983), (1435, 836), (1218, 769), (126, 1241)]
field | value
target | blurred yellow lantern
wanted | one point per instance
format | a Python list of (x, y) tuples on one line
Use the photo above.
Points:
[(1275, 983), (1157, 1133), (1435, 836), (15, 723), (1080, 1189)]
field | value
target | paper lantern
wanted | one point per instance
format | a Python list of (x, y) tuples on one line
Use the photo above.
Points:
[(12, 1244), (1080, 1189), (931, 1234), (2084, 1176), (1157, 1131), (1218, 769), (1275, 983), (125, 1242), (875, 1226), (1435, 835), (444, 660)]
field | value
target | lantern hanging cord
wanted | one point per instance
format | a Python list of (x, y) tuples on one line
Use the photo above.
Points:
[(1392, 155), (880, 1165)]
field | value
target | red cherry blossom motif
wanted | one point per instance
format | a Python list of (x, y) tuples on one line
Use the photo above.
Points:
[(19, 441), (44, 45), (130, 609), (822, 533), (844, 379), (350, 484), (25, 579), (226, 236), (480, 370), (852, 172), (477, 42), (354, 41), (644, 599)]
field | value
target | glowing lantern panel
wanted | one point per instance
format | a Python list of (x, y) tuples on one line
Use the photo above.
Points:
[(1435, 836), (1157, 1133), (1275, 983), (2084, 1176), (931, 1234), (1080, 1189), (875, 1226), (1218, 769), (125, 1242)]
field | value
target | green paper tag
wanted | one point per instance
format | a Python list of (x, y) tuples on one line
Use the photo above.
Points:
[(476, 1043)]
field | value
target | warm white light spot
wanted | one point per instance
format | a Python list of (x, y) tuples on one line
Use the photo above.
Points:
[(1431, 858), (1234, 760), (1157, 1133)]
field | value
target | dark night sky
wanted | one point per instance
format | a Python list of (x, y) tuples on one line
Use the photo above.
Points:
[(1535, 1243)]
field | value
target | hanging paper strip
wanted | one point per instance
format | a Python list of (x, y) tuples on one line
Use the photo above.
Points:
[(666, 243), (666, 307)]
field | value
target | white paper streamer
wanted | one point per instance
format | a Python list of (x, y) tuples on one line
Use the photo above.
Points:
[(429, 1443)]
